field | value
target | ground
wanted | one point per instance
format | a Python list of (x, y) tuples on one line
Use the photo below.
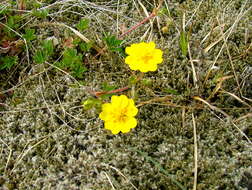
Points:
[(194, 123)]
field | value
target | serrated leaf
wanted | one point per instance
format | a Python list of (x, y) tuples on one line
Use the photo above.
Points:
[(85, 47), (73, 61), (39, 57), (44, 53), (78, 70), (29, 34), (8, 61), (83, 24), (48, 48), (113, 43)]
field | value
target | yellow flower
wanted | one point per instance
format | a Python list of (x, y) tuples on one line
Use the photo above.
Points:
[(143, 56), (119, 114)]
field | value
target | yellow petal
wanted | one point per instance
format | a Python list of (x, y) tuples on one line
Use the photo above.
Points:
[(125, 130), (132, 122), (119, 114), (134, 66), (129, 124), (158, 56), (106, 107), (131, 109), (131, 49), (153, 67), (106, 112), (115, 131), (119, 101), (114, 127), (151, 45), (130, 60), (143, 56)]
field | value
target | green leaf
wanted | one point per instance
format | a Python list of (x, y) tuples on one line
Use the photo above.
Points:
[(83, 24), (133, 80), (163, 11), (3, 9), (29, 34), (78, 70), (146, 82), (170, 91), (107, 87), (40, 13), (7, 62), (72, 61), (113, 43), (47, 47), (85, 47), (13, 23), (44, 53), (70, 53), (36, 5), (39, 57), (91, 103), (107, 96), (183, 43)]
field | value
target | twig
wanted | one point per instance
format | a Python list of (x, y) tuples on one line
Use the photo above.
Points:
[(157, 99), (243, 117), (237, 98), (97, 94), (227, 116), (228, 33), (195, 154), (81, 36), (218, 86), (211, 106), (137, 25), (230, 58), (109, 180), (195, 80), (153, 14), (119, 172), (25, 153)]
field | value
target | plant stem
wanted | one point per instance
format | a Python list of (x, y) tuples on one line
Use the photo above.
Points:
[(153, 14), (97, 94)]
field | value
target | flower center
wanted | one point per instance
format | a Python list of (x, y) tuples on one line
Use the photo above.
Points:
[(121, 116), (146, 58)]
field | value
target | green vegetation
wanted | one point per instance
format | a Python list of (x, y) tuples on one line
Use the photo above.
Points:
[(29, 34), (7, 62), (72, 60), (40, 13), (183, 43), (42, 55), (114, 44), (83, 24)]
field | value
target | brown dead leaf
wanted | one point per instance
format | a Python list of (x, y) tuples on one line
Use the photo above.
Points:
[(68, 43)]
